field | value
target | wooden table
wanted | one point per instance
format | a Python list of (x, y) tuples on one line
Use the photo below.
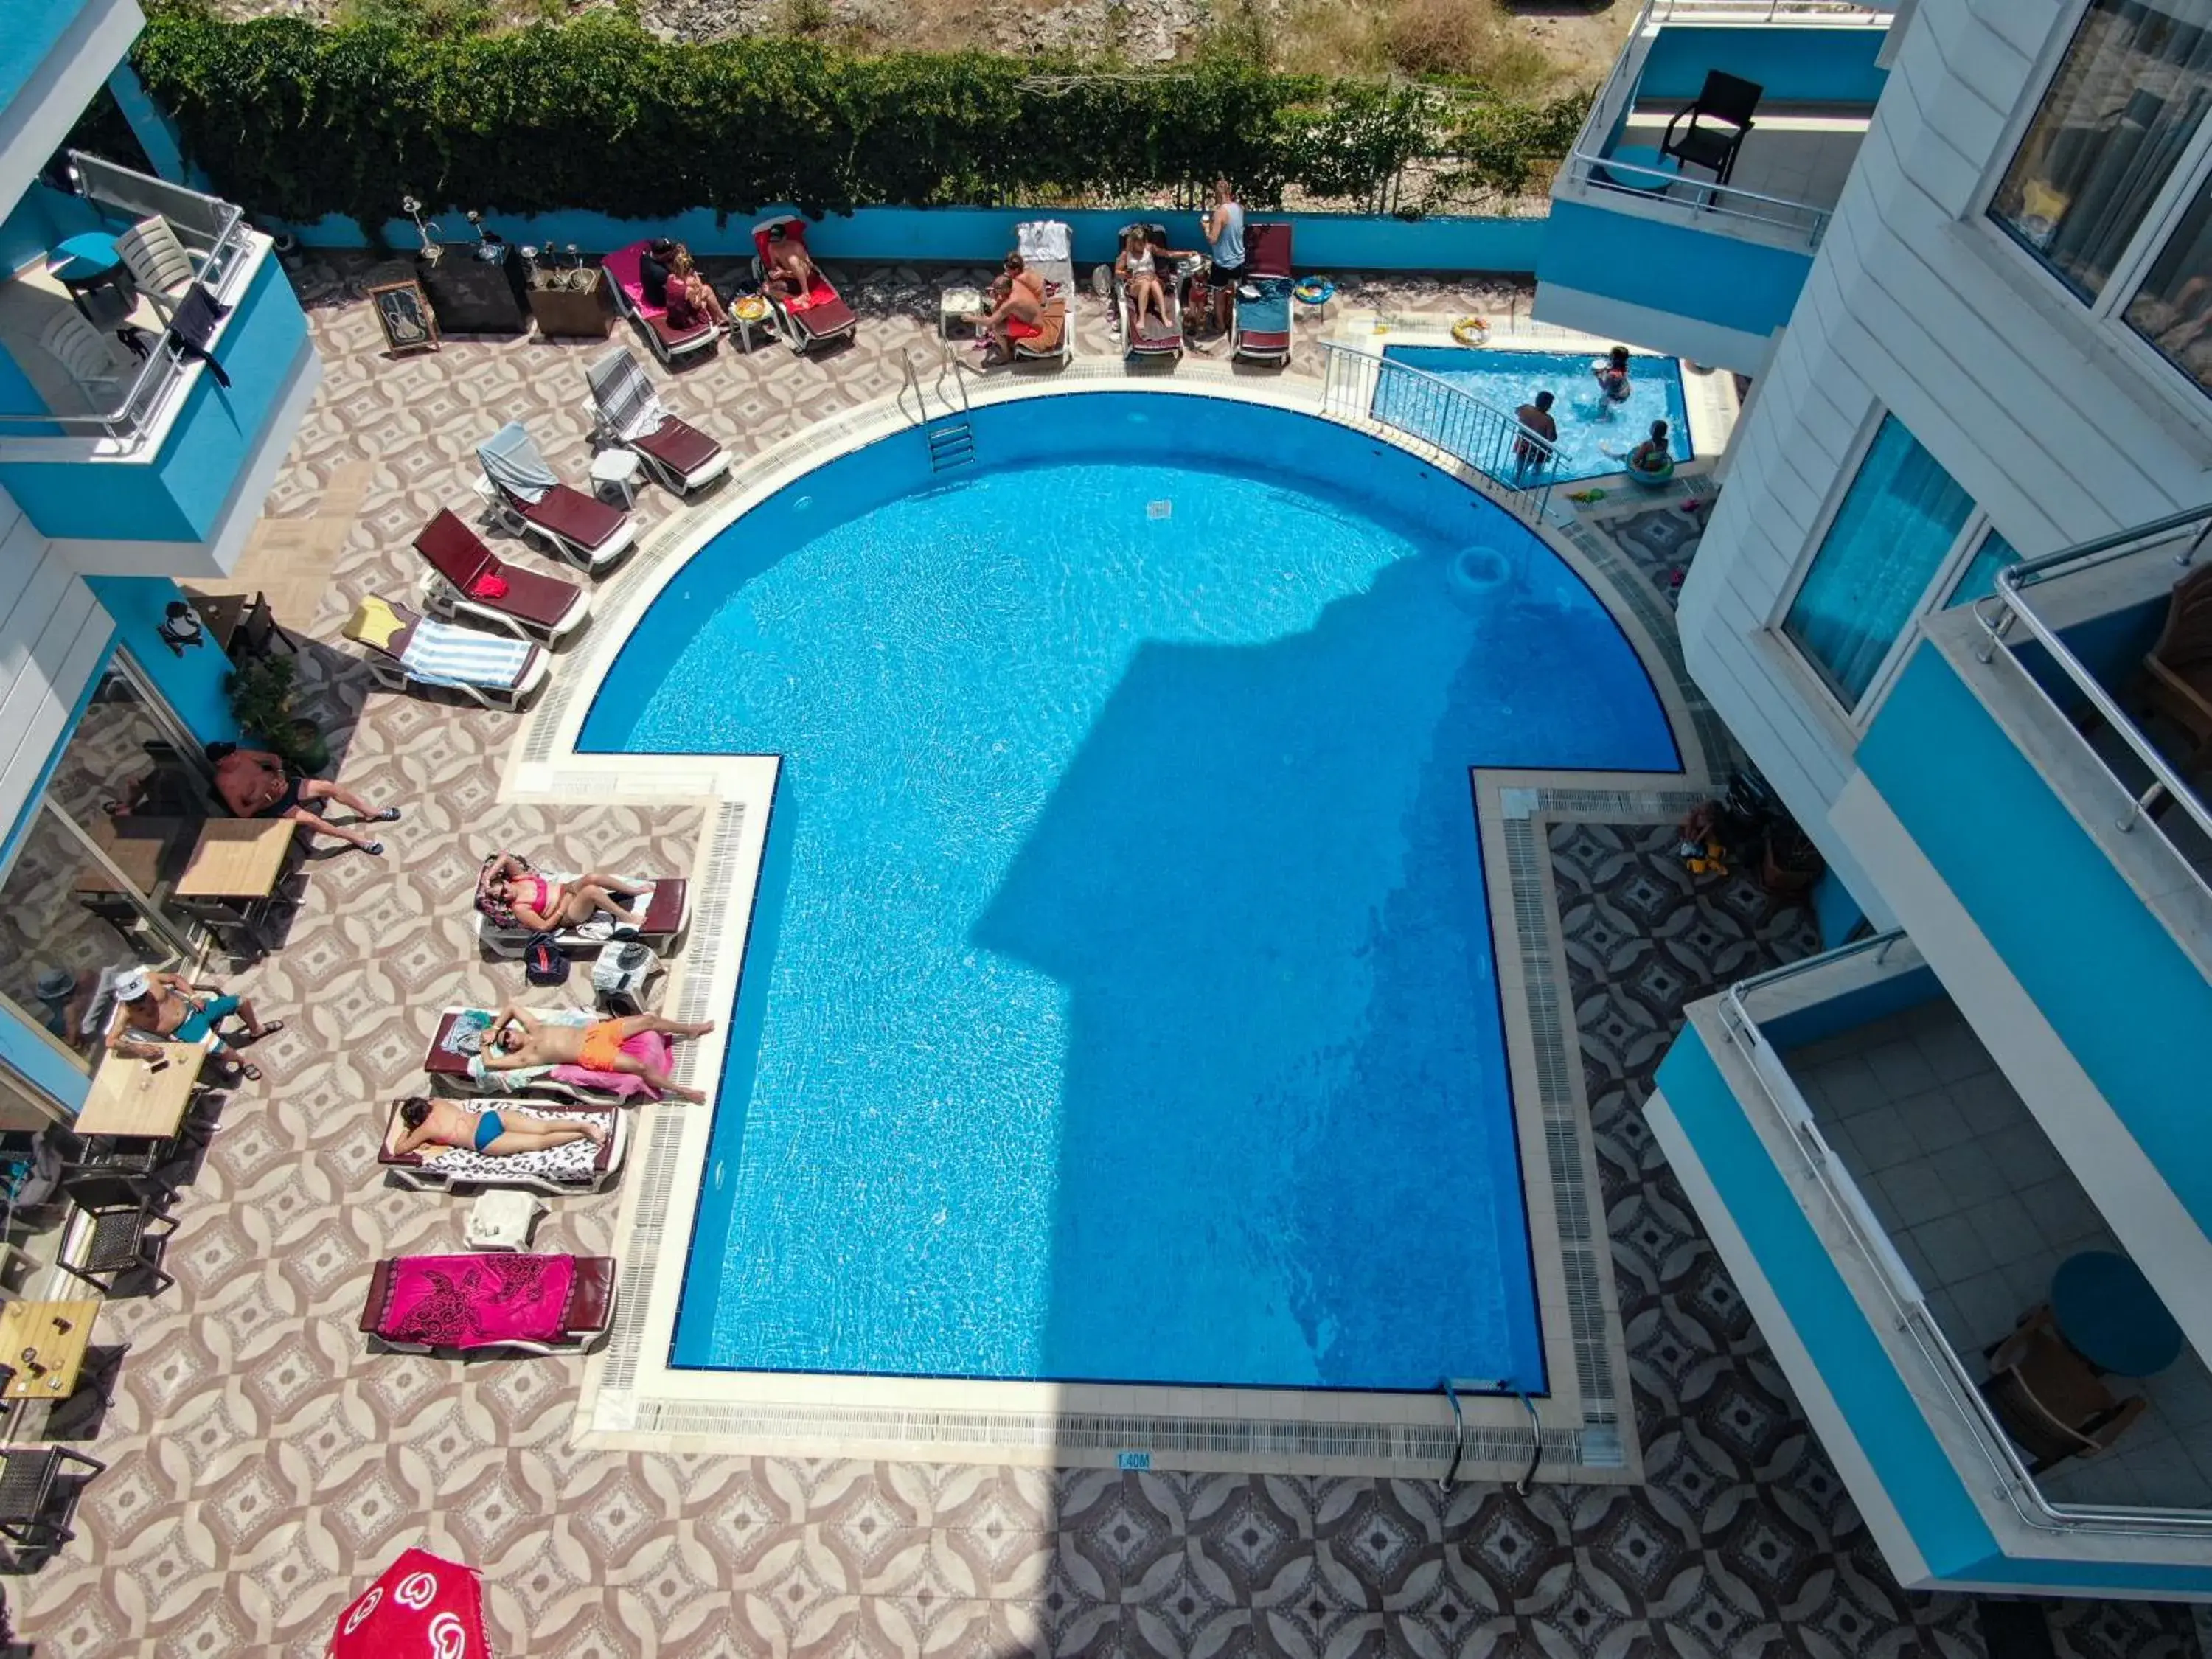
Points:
[(139, 847), (60, 1353), (237, 858), (129, 1097)]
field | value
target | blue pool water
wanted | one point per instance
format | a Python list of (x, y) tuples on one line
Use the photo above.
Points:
[(1595, 435), (1120, 1001)]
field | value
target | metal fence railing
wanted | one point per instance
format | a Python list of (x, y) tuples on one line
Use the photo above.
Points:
[(1829, 13), (1907, 1307), (1694, 199), (213, 232), (2181, 536), (1364, 388)]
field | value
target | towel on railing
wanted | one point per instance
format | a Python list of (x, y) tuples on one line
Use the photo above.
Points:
[(1041, 240), (625, 398), (513, 464), (441, 653)]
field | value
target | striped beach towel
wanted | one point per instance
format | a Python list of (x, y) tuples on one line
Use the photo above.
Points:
[(626, 399), (441, 654)]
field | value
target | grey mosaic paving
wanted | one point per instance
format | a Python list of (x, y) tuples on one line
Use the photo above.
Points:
[(262, 1465)]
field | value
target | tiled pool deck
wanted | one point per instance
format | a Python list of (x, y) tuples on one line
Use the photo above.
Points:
[(263, 1465)]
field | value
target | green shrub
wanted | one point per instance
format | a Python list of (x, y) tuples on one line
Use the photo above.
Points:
[(293, 120)]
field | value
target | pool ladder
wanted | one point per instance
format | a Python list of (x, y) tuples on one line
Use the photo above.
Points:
[(1452, 1387), (952, 438)]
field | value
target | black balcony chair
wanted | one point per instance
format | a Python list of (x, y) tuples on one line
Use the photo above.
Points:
[(126, 1226), (258, 632), (1718, 125), (30, 1477)]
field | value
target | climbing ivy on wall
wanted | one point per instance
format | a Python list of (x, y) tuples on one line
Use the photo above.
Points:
[(294, 120)]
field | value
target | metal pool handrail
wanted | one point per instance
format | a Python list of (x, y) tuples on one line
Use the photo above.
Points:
[(1907, 1308), (1465, 427), (1997, 612)]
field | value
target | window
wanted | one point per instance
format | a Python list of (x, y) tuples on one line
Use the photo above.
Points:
[(1890, 536), (2109, 189), (1979, 579)]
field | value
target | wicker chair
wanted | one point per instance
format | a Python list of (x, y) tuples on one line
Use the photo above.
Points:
[(2049, 1399)]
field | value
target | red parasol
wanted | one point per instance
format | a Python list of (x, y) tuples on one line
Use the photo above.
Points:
[(422, 1608)]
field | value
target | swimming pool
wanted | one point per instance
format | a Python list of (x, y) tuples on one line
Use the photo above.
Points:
[(1594, 436), (1119, 1003)]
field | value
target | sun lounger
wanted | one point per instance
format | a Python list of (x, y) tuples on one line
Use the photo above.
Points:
[(1045, 246), (525, 496), (577, 1167), (1262, 332), (404, 649), (1151, 338), (467, 579), (669, 342), (667, 914), (806, 321), (531, 1304), (453, 1059), (629, 413)]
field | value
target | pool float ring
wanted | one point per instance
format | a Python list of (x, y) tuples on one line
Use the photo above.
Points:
[(750, 309), (1658, 477), (1314, 290), (1471, 331)]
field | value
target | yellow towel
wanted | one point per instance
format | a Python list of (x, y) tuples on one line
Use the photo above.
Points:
[(374, 622)]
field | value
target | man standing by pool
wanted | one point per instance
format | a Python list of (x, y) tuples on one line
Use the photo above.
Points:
[(1536, 422), (1224, 224)]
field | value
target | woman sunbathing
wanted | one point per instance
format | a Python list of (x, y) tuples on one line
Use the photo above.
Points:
[(546, 906), (441, 1123), (517, 1041), (1140, 271)]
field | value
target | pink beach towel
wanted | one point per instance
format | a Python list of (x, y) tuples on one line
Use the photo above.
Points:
[(467, 1301), (650, 1047)]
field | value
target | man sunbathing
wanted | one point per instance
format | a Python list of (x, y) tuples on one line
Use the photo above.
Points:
[(1017, 296), (170, 1007), (441, 1123), (544, 905), (256, 784), (789, 270), (517, 1040)]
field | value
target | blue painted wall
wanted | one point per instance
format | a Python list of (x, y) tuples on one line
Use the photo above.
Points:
[(1931, 1499), (976, 235), (2114, 985), (156, 132), (1851, 1009), (1837, 913), (1795, 64), (29, 31), (190, 681), (180, 495), (1689, 272)]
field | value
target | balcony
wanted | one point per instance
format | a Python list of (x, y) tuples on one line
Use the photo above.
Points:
[(1673, 261), (2033, 820), (1890, 1208), (144, 459)]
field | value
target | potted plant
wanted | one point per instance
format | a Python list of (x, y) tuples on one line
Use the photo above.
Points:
[(261, 691)]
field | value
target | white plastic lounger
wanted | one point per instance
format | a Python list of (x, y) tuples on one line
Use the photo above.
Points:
[(524, 495), (1047, 247), (628, 413), (497, 670), (578, 1167)]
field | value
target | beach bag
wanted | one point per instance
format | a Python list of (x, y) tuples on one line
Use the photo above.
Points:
[(544, 962)]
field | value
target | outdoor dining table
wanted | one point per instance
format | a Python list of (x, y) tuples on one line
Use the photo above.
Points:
[(2108, 1313), (139, 846), (130, 1099), (55, 1336), (235, 868)]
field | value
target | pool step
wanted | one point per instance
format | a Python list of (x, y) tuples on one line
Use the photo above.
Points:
[(950, 444)]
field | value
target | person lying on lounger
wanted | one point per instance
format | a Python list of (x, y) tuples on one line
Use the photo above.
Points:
[(256, 784), (441, 1123), (546, 906), (517, 1040), (790, 272), (1139, 266), (170, 1007), (1017, 295)]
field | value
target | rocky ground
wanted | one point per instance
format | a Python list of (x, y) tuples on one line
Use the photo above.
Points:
[(1581, 36)]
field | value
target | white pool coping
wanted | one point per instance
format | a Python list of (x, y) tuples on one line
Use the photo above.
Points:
[(632, 1397)]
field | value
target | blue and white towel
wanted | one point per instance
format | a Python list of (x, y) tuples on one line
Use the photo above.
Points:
[(441, 653)]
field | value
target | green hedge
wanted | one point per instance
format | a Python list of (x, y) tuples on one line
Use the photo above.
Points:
[(293, 120)]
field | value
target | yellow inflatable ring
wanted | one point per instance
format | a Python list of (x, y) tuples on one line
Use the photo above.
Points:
[(1471, 331)]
